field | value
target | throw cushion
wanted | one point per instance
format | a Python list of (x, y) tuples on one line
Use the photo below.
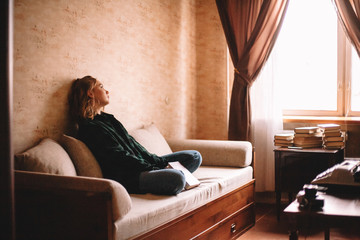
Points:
[(83, 159), (151, 138), (48, 157)]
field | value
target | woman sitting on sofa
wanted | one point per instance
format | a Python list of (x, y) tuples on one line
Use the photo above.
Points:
[(120, 156)]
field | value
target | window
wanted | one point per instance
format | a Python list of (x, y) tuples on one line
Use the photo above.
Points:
[(317, 68), (355, 81)]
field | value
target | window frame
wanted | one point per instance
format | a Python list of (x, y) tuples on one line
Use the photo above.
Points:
[(343, 83)]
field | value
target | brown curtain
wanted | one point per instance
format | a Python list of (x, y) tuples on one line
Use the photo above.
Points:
[(251, 28), (349, 15)]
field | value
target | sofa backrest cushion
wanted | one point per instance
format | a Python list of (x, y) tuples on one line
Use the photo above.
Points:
[(83, 159), (48, 157), (151, 138), (217, 152)]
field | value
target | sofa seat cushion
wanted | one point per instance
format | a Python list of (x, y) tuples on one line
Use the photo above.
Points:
[(150, 211)]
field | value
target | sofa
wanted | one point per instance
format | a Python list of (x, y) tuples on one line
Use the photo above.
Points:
[(60, 193)]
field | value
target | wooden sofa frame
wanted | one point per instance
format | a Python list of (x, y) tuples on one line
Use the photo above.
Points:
[(53, 213), (47, 212), (224, 218)]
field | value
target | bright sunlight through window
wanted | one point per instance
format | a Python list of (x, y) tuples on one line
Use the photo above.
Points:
[(355, 83), (307, 56)]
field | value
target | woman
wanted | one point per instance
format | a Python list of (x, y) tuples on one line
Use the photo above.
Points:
[(120, 156)]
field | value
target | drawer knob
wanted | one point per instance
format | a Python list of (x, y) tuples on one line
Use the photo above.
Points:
[(233, 228)]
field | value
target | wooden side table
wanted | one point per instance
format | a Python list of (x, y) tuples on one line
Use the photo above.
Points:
[(296, 167), (338, 211)]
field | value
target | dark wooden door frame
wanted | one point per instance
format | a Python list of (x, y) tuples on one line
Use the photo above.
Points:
[(7, 209)]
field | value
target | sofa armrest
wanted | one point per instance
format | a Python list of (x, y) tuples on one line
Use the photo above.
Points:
[(66, 207), (120, 199), (217, 152)]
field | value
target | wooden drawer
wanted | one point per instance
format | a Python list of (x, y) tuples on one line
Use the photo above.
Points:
[(233, 226), (237, 204)]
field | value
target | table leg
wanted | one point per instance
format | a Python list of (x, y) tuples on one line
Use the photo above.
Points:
[(290, 197), (293, 230), (278, 204), (327, 233), (293, 235)]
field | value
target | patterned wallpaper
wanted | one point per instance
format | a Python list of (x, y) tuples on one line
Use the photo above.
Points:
[(163, 61), (211, 73)]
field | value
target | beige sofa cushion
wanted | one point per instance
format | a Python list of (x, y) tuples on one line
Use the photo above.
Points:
[(150, 211), (217, 152), (48, 157), (151, 138), (83, 159)]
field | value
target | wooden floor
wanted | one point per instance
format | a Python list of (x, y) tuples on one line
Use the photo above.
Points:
[(267, 228)]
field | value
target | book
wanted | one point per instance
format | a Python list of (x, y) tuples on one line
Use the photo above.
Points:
[(333, 139), (283, 141), (315, 134), (334, 144), (309, 145), (306, 130), (283, 144), (331, 148), (332, 134), (329, 127), (307, 139), (315, 144), (191, 180), (284, 136)]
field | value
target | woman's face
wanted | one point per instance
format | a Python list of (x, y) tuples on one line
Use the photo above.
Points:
[(100, 94)]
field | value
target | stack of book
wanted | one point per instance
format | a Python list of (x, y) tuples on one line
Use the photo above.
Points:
[(333, 138), (284, 139), (308, 137)]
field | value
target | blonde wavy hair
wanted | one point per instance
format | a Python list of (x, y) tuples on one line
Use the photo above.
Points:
[(81, 105)]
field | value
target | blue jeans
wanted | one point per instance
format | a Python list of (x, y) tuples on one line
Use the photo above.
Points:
[(170, 181)]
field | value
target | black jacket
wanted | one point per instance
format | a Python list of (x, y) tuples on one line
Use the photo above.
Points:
[(120, 156)]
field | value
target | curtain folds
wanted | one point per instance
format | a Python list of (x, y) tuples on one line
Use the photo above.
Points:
[(349, 15), (251, 28), (266, 121)]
